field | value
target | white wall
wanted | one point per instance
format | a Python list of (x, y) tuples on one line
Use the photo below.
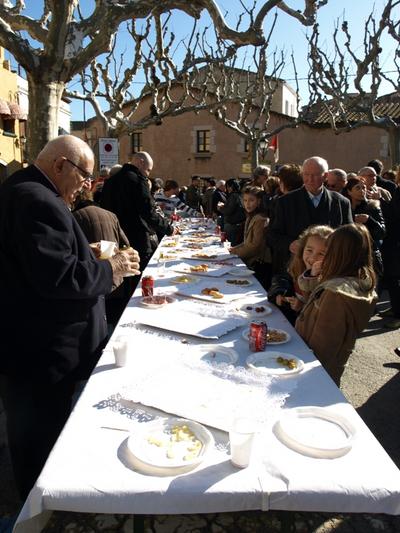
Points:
[(64, 118)]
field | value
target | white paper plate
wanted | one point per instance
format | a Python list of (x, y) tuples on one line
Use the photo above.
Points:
[(315, 432), (242, 283), (245, 335), (250, 310), (266, 363), (213, 353), (241, 271), (146, 302), (192, 279), (153, 459)]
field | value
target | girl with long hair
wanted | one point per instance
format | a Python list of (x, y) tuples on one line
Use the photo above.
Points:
[(343, 300), (285, 290)]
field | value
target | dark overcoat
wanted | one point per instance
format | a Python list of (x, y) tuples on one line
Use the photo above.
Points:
[(52, 288)]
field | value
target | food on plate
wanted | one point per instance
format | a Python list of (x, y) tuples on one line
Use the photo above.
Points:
[(159, 299), (273, 335), (184, 279), (179, 441), (199, 268), (291, 364), (194, 246), (204, 256), (238, 282), (259, 309), (213, 292), (169, 244)]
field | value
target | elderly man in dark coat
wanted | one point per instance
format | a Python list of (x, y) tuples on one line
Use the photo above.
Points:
[(52, 292), (127, 194), (301, 208)]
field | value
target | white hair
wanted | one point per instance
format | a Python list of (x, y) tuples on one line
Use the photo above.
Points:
[(320, 161)]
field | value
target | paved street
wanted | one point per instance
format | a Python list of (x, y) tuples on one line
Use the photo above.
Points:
[(371, 383)]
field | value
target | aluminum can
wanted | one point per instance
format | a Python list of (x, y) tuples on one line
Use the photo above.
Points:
[(224, 236), (217, 230), (258, 336), (147, 286)]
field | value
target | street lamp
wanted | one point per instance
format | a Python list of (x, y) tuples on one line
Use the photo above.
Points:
[(262, 146)]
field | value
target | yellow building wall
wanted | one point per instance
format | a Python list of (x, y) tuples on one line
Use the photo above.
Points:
[(10, 149)]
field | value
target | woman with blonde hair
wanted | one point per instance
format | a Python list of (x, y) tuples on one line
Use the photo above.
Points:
[(343, 300), (285, 290)]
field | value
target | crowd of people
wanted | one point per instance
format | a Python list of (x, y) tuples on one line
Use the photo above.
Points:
[(321, 241)]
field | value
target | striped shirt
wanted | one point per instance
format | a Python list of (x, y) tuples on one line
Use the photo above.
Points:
[(172, 204)]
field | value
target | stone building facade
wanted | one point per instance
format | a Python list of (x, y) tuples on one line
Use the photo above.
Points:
[(198, 144)]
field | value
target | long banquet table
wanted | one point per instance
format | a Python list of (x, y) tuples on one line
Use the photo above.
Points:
[(90, 468)]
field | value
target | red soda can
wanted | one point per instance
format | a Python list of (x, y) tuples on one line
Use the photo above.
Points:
[(217, 230), (147, 286), (258, 336), (224, 236)]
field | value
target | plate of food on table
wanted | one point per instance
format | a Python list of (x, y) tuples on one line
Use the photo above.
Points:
[(201, 269), (241, 282), (169, 446), (185, 279), (214, 353), (256, 310), (241, 271), (273, 336), (156, 301), (275, 363)]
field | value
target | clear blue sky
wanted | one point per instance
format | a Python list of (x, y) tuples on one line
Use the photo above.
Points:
[(288, 34)]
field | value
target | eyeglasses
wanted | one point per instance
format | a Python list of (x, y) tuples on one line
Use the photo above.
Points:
[(86, 175)]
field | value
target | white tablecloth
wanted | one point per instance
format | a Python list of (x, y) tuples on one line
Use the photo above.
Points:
[(89, 469)]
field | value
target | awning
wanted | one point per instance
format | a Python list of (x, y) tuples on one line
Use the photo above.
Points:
[(16, 112), (4, 108)]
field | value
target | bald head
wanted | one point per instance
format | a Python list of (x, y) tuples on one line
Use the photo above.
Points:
[(144, 162), (64, 146), (68, 162), (336, 179)]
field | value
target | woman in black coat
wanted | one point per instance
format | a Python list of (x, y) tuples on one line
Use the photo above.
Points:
[(369, 213), (234, 213)]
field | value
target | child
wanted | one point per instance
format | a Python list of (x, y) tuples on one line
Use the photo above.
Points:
[(285, 291), (254, 250), (343, 301)]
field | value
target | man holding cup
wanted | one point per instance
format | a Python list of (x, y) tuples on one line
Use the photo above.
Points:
[(52, 290)]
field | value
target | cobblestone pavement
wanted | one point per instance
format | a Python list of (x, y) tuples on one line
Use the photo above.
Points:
[(371, 383)]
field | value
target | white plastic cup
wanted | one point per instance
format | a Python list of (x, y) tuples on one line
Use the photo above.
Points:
[(107, 249), (241, 437), (120, 348)]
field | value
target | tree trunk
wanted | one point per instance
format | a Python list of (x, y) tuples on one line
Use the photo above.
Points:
[(394, 146), (44, 104), (254, 154)]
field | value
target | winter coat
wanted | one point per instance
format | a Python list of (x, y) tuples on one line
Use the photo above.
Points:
[(233, 209), (375, 223), (99, 224), (336, 312), (254, 247), (127, 194)]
